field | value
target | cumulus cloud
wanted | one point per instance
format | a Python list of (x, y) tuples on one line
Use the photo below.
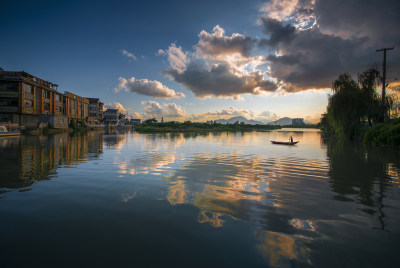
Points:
[(236, 49), (173, 110), (223, 114), (230, 112), (299, 12), (136, 115), (219, 65), (267, 116), (233, 111), (176, 56), (128, 54), (315, 41), (119, 107), (148, 88), (154, 109)]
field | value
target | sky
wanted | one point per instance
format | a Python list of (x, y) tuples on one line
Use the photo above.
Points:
[(201, 60)]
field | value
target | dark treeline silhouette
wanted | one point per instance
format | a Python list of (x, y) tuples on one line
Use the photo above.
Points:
[(152, 125), (354, 105)]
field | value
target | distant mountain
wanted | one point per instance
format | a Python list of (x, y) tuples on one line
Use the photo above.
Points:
[(281, 122), (240, 119)]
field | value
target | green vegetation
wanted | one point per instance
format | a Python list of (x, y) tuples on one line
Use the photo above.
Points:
[(45, 130), (151, 125), (77, 125), (355, 109), (301, 126), (385, 134)]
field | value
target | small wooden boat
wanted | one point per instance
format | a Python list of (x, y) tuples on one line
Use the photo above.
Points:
[(5, 133), (284, 142)]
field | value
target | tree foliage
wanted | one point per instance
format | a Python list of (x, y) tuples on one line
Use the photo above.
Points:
[(353, 105), (151, 125)]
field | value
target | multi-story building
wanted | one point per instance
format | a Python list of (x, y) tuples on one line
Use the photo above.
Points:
[(76, 107), (24, 99), (111, 117), (95, 110)]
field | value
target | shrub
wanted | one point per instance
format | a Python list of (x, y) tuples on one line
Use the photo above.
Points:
[(384, 134)]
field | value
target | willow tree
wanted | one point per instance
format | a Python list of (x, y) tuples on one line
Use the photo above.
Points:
[(371, 103), (351, 104)]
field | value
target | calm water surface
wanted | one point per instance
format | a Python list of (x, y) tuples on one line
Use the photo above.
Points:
[(206, 200)]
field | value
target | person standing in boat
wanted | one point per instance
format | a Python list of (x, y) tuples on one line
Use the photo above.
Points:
[(291, 139)]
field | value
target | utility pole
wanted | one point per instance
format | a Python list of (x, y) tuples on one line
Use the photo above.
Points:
[(384, 80)]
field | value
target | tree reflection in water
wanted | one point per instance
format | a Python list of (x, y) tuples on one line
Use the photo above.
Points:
[(362, 174)]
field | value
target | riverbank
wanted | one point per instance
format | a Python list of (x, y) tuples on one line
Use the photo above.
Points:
[(47, 130), (301, 126), (385, 134), (200, 127)]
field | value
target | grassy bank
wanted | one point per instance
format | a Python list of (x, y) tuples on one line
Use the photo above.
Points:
[(385, 134)]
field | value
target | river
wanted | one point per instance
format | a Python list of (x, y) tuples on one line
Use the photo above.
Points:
[(197, 200)]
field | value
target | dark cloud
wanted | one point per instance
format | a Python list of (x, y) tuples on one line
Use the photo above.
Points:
[(378, 20), (220, 80), (345, 40), (276, 31)]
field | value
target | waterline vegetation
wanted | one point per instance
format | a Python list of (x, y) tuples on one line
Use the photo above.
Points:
[(152, 125), (355, 108)]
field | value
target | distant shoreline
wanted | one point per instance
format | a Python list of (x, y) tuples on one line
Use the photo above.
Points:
[(201, 127)]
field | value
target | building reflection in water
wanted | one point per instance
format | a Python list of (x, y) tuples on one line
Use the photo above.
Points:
[(29, 158)]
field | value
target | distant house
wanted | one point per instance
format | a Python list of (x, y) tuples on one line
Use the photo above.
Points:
[(298, 121), (111, 117), (134, 121)]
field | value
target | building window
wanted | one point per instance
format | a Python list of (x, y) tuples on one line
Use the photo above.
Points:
[(27, 88), (58, 109), (46, 106), (46, 94), (28, 103), (58, 97)]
